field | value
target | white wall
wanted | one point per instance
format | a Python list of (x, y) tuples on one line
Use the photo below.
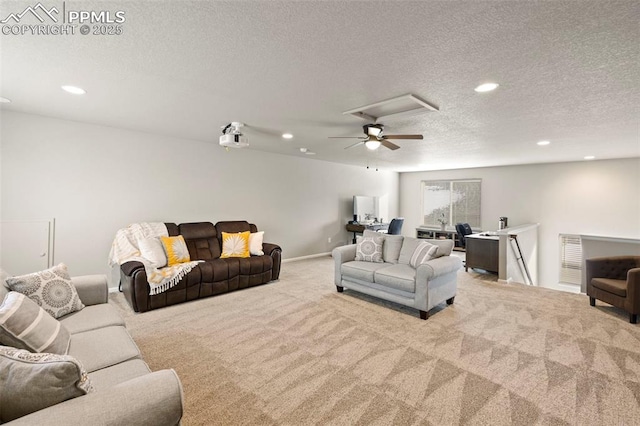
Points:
[(588, 197), (94, 180)]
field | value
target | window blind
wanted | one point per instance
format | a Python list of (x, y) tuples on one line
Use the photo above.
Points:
[(570, 259)]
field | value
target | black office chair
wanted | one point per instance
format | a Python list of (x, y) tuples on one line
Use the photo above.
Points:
[(463, 229), (395, 226)]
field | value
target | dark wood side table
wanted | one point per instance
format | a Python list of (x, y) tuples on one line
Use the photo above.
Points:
[(482, 252)]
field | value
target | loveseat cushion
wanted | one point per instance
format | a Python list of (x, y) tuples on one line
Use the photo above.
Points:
[(103, 347), (400, 276), (361, 270), (119, 373), (91, 318)]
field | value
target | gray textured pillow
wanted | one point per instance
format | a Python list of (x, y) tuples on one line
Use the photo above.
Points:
[(25, 325), (31, 382), (369, 249), (52, 289), (391, 246)]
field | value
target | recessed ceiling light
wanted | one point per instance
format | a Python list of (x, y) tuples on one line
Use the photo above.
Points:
[(486, 87), (4, 100), (543, 143), (589, 157), (74, 90), (287, 135)]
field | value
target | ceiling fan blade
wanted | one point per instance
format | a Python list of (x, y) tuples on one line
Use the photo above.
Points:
[(403, 137), (345, 137), (392, 146), (355, 144)]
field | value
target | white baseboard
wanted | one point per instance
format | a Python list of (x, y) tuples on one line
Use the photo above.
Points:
[(113, 289), (311, 256)]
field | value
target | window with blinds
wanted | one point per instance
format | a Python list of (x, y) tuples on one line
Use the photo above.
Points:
[(570, 259), (457, 201)]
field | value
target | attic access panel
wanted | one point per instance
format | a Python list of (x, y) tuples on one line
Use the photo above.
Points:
[(392, 108)]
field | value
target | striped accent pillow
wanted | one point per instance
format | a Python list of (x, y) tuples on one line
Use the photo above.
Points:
[(25, 325), (424, 251)]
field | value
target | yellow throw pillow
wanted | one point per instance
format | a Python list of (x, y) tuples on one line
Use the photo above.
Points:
[(176, 250), (235, 245)]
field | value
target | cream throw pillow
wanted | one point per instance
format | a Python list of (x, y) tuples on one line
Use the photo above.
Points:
[(255, 243), (423, 253), (25, 325), (31, 382), (52, 289), (235, 244), (152, 250), (176, 250)]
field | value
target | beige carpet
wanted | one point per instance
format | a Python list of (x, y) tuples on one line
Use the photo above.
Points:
[(296, 352)]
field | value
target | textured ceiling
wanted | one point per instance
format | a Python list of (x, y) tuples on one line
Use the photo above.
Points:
[(568, 71)]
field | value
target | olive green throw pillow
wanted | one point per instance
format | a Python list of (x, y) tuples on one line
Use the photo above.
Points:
[(30, 382)]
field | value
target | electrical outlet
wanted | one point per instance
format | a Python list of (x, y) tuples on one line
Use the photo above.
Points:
[(329, 239)]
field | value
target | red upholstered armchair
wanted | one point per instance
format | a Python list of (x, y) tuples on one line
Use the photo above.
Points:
[(615, 280)]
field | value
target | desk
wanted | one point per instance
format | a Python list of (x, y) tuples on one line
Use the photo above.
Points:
[(482, 252), (358, 228)]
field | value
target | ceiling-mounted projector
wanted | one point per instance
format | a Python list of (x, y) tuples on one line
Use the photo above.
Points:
[(232, 137)]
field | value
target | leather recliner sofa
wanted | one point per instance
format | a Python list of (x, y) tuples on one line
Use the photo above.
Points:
[(211, 277)]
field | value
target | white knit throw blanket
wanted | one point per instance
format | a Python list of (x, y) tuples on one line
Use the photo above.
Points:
[(125, 249)]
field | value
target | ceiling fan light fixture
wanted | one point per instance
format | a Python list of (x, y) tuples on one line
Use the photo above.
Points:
[(373, 129), (372, 145)]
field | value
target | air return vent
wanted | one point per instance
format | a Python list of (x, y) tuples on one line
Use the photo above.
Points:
[(392, 108)]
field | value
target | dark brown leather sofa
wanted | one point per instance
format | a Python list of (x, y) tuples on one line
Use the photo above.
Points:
[(209, 278)]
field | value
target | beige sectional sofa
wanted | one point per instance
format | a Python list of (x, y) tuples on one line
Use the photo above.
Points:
[(125, 391), (394, 278)]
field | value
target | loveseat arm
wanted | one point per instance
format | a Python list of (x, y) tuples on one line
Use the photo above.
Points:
[(92, 289), (342, 255), (152, 399), (437, 267)]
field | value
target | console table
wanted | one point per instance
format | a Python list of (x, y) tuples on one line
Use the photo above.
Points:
[(358, 228), (439, 233), (482, 252)]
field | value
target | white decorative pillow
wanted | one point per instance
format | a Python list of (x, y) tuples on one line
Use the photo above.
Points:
[(25, 325), (423, 252), (369, 249), (51, 289), (255, 243), (31, 382), (153, 250)]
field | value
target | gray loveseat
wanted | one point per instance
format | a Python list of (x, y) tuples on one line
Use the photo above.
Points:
[(430, 284), (125, 392)]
